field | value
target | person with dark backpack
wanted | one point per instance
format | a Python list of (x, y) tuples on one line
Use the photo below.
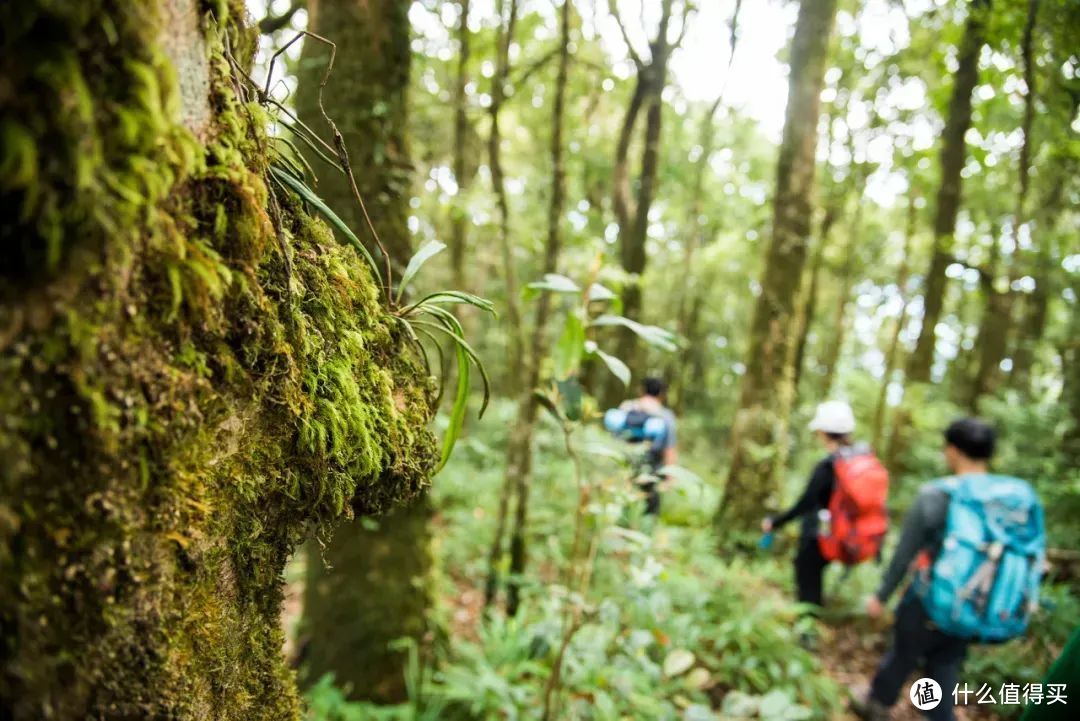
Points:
[(977, 544), (843, 507)]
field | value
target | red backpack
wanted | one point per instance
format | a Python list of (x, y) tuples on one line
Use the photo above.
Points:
[(857, 510)]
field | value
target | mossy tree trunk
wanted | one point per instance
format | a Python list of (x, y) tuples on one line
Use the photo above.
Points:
[(369, 586), (953, 155), (761, 419), (193, 374)]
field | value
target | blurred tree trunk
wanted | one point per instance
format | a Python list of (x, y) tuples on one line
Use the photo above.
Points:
[(367, 589), (1070, 391), (688, 311), (953, 156), (838, 329), (463, 170), (892, 354), (997, 325), (761, 420), (808, 305), (515, 345), (365, 97), (520, 448), (992, 341), (632, 213), (375, 589), (1032, 313)]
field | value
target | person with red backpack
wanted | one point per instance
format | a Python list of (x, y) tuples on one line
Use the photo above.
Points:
[(842, 510)]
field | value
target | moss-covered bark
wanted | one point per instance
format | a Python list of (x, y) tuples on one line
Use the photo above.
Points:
[(373, 587), (760, 425), (179, 407)]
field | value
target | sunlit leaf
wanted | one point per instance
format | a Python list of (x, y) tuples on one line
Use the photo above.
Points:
[(651, 334), (619, 369), (600, 292), (556, 284), (425, 253), (570, 349)]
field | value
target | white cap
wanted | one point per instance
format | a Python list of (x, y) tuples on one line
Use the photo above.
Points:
[(833, 417)]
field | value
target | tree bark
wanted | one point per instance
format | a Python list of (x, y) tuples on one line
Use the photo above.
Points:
[(761, 418), (372, 588), (520, 449), (632, 213), (366, 98), (892, 355), (808, 307), (838, 329), (459, 217), (953, 155), (686, 318), (515, 332), (161, 382)]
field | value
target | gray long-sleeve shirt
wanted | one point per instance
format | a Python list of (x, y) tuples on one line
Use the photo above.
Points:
[(923, 530)]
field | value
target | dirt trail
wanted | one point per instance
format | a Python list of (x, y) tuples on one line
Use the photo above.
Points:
[(849, 651)]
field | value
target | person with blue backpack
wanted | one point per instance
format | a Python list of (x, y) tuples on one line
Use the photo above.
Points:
[(646, 419), (977, 543)]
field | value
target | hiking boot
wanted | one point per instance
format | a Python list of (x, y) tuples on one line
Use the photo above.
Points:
[(867, 708)]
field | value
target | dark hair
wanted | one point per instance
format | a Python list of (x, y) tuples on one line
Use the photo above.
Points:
[(973, 437), (653, 386), (843, 439)]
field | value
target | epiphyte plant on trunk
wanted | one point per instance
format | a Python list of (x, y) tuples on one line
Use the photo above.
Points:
[(426, 318)]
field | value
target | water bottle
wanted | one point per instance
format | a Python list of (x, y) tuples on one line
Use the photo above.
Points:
[(766, 541), (824, 522)]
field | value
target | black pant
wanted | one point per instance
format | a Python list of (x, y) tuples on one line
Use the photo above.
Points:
[(917, 640), (809, 571), (652, 497)]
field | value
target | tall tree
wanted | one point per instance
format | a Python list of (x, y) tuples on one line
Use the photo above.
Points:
[(892, 352), (765, 396), (368, 587), (953, 155), (365, 97), (459, 218), (174, 328), (689, 306), (520, 449), (632, 209)]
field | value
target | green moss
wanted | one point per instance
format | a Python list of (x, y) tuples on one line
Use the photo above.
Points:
[(179, 406)]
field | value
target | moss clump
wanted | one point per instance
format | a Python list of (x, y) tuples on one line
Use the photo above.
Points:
[(179, 405)]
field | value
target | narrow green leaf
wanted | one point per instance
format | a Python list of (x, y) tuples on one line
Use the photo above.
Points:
[(570, 349), (457, 411), (556, 284), (425, 253), (599, 292), (651, 334), (619, 369), (316, 202)]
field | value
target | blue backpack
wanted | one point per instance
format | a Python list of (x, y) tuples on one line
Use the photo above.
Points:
[(635, 426), (984, 583)]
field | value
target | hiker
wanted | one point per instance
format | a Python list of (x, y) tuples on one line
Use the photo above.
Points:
[(841, 521), (646, 418), (978, 544)]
